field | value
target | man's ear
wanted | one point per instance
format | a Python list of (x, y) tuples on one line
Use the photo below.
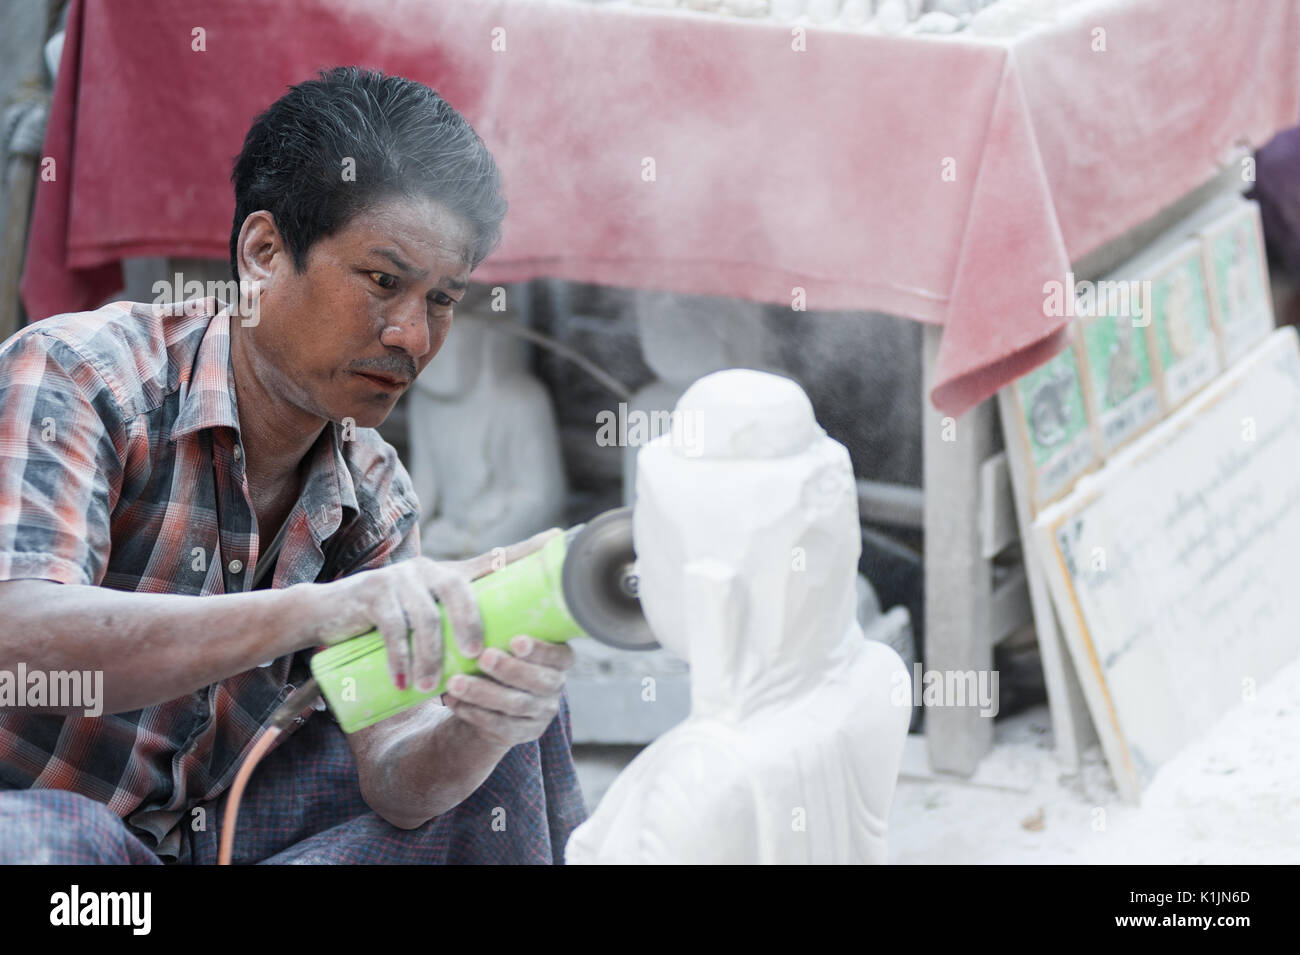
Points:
[(260, 247)]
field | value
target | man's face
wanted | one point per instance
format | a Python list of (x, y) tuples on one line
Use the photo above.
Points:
[(347, 335)]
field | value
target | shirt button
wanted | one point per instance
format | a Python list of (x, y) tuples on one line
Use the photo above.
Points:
[(238, 452), (235, 566)]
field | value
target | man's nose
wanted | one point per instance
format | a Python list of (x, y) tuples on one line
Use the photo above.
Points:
[(407, 328)]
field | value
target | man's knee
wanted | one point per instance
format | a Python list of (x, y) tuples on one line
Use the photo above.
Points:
[(54, 827)]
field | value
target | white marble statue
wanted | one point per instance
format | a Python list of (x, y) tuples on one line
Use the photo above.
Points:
[(747, 553), (484, 450)]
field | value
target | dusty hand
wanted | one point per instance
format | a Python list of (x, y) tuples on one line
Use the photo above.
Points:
[(518, 694), (405, 603)]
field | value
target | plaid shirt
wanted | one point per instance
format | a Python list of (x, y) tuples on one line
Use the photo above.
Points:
[(121, 466)]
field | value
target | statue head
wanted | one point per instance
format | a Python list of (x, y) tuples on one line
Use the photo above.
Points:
[(747, 539)]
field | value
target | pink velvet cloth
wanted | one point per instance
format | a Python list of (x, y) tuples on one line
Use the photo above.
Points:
[(774, 168)]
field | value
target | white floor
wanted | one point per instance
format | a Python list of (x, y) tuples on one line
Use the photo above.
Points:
[(1231, 797)]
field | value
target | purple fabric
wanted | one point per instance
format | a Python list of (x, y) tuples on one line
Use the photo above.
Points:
[(1277, 188), (303, 805)]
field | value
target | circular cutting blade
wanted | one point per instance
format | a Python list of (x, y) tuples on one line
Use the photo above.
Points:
[(600, 584)]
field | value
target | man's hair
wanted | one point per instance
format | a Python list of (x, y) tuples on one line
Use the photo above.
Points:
[(391, 136)]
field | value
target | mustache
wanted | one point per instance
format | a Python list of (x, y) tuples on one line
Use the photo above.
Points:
[(393, 369)]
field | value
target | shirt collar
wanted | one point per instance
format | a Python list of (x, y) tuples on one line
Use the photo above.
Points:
[(207, 396), (207, 400)]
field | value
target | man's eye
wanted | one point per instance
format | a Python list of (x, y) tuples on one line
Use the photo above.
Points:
[(384, 280), (442, 300)]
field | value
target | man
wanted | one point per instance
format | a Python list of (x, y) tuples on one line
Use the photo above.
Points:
[(152, 456)]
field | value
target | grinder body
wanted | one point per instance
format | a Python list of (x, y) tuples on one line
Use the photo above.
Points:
[(527, 596)]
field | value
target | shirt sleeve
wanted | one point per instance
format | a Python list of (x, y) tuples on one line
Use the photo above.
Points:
[(60, 471)]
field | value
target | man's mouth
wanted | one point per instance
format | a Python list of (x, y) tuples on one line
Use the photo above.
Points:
[(388, 382)]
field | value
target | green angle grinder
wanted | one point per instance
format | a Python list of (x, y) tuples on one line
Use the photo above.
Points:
[(580, 583)]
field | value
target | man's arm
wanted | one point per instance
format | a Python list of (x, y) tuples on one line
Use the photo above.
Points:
[(156, 647), (427, 760), (150, 647)]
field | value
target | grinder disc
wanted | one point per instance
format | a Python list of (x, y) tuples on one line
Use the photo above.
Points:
[(600, 584)]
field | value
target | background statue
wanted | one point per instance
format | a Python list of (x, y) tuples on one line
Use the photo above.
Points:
[(484, 451)]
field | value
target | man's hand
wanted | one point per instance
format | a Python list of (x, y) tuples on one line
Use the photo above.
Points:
[(519, 693), (406, 601), (423, 761)]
